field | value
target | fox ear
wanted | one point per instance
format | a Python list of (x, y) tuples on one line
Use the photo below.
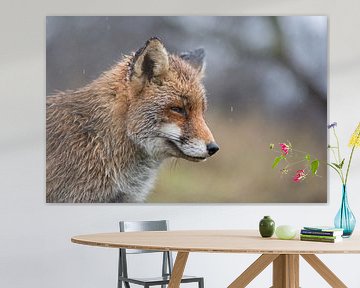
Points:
[(150, 61), (195, 58)]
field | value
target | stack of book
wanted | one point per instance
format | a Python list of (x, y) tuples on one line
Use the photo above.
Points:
[(321, 234)]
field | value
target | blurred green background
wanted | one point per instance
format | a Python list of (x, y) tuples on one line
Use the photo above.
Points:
[(266, 82)]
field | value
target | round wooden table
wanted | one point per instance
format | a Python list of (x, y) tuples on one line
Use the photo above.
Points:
[(284, 254)]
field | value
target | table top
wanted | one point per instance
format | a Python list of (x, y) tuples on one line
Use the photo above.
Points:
[(217, 241)]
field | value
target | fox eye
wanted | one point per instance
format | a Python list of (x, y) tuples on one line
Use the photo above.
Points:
[(179, 110)]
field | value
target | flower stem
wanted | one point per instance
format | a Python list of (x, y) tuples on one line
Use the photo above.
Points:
[(294, 163), (296, 150), (351, 155), (337, 171), (338, 146), (333, 152), (338, 149), (348, 167)]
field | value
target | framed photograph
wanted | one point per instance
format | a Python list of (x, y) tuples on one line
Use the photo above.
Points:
[(204, 109)]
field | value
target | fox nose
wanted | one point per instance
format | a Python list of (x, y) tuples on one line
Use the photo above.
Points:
[(212, 148)]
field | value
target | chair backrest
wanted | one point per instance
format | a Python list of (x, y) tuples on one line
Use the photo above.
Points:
[(134, 226)]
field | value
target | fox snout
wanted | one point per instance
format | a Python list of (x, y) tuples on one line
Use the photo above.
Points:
[(189, 146), (212, 148), (197, 150), (204, 132)]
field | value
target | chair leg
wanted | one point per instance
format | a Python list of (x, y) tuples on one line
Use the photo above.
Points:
[(201, 283), (119, 270)]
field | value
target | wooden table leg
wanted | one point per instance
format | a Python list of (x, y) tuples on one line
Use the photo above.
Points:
[(324, 271), (253, 270), (293, 262), (286, 271), (178, 269)]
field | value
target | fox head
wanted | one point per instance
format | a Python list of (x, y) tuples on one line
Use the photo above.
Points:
[(167, 102)]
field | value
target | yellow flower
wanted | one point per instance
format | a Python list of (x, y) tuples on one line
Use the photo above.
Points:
[(355, 138)]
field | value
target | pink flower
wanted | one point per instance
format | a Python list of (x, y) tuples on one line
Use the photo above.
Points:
[(285, 148), (299, 176)]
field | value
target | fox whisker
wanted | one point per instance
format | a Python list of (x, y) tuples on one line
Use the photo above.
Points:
[(173, 136), (168, 138)]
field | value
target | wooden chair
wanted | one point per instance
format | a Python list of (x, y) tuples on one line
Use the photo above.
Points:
[(167, 262)]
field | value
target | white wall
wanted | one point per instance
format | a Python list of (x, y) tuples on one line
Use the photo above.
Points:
[(35, 248)]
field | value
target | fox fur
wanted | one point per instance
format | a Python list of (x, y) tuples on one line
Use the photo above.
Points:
[(106, 141)]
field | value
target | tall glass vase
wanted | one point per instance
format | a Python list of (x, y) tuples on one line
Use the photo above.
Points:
[(345, 219)]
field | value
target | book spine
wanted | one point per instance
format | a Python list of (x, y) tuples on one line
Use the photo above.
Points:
[(320, 233), (318, 239), (319, 236)]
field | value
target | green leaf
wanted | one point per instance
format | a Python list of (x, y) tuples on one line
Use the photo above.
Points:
[(314, 166), (277, 161), (307, 157), (342, 163), (336, 165), (336, 169)]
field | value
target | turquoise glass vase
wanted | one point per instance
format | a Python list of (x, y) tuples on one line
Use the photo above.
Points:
[(345, 219)]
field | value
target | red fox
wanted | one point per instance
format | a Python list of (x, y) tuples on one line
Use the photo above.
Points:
[(106, 141)]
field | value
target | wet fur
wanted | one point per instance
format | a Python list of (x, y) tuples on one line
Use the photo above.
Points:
[(95, 135)]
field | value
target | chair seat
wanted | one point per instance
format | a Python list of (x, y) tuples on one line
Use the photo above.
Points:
[(167, 262), (158, 280)]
